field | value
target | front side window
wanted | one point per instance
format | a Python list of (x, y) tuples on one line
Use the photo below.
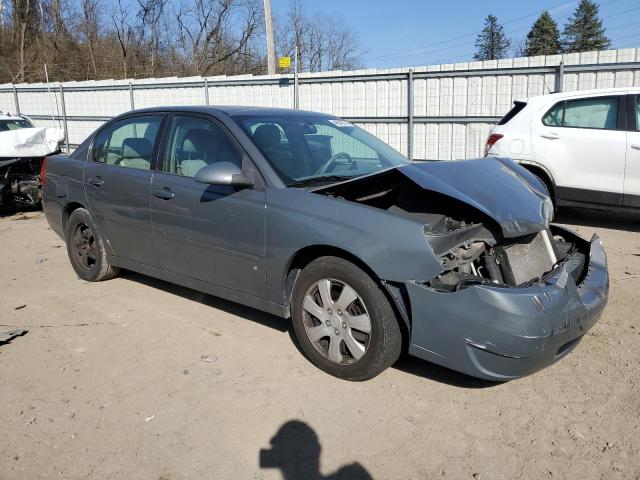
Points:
[(304, 150), (128, 143), (196, 142), (638, 113), (599, 113)]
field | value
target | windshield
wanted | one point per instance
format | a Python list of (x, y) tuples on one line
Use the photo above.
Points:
[(6, 125), (315, 149)]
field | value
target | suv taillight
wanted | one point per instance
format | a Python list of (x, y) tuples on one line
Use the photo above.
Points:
[(491, 141), (43, 172)]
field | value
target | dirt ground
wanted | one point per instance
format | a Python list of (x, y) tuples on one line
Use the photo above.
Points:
[(137, 379)]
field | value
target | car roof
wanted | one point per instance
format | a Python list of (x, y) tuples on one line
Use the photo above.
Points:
[(232, 110), (8, 116), (581, 93)]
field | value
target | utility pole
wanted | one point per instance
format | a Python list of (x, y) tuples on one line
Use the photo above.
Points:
[(271, 48)]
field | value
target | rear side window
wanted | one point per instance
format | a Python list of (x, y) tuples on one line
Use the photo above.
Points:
[(599, 113), (516, 109), (553, 117), (638, 113), (128, 143)]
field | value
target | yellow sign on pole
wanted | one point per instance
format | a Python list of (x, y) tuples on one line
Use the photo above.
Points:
[(284, 62)]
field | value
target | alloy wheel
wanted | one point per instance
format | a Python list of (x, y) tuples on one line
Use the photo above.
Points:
[(336, 321)]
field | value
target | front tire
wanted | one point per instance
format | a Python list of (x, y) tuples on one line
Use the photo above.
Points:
[(343, 321), (86, 248)]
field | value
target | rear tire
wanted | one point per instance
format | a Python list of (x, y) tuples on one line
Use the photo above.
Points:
[(343, 321), (86, 248)]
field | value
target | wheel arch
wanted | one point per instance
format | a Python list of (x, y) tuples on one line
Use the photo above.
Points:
[(306, 255), (67, 210), (543, 174)]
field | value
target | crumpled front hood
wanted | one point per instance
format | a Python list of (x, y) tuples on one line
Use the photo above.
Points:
[(499, 188)]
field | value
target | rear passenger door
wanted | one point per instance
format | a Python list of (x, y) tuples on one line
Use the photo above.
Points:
[(212, 233), (584, 140), (117, 180), (632, 171)]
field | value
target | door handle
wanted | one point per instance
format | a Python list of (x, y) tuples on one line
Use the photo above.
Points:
[(97, 181), (164, 193), (635, 146), (550, 136)]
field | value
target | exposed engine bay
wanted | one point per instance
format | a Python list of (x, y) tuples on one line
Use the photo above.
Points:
[(470, 245), (20, 181)]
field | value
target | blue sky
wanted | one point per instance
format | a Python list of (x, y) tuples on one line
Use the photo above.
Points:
[(413, 32)]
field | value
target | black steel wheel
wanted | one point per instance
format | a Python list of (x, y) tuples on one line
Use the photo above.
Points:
[(86, 249)]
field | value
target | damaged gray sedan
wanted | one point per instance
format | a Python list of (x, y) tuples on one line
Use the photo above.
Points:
[(309, 217)]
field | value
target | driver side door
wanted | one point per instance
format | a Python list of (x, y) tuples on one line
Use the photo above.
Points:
[(211, 233)]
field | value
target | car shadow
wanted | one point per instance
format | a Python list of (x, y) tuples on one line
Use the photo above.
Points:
[(414, 366), (431, 371), (227, 306), (295, 451), (615, 220), (7, 211)]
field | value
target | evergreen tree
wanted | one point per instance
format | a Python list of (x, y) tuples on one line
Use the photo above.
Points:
[(584, 31), (491, 43), (544, 37)]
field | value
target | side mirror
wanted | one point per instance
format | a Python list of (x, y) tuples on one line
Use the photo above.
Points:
[(223, 173)]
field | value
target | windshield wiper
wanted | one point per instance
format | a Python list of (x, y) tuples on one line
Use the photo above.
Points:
[(320, 180)]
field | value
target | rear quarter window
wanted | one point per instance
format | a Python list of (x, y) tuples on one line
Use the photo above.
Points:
[(515, 110)]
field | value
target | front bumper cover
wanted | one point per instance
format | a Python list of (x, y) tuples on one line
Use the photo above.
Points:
[(505, 333)]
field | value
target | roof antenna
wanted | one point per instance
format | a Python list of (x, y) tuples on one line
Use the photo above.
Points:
[(46, 75)]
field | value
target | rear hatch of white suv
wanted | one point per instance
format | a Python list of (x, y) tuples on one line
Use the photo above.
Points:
[(511, 137)]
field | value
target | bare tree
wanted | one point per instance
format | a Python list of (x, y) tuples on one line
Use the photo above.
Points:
[(124, 33), (89, 30), (84, 39), (25, 24), (150, 14), (215, 33), (324, 41)]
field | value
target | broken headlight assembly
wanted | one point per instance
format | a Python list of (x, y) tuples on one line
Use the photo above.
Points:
[(479, 259)]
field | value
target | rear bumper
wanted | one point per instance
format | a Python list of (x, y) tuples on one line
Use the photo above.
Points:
[(505, 333)]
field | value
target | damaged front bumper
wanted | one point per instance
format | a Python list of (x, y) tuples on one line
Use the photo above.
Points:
[(505, 333)]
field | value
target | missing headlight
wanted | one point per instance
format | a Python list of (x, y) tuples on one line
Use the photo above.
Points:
[(528, 258)]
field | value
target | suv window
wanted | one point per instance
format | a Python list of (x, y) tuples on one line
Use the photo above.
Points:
[(599, 113), (515, 110), (196, 142), (7, 125), (553, 118), (128, 143)]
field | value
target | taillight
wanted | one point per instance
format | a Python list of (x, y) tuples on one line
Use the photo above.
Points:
[(491, 141), (43, 172)]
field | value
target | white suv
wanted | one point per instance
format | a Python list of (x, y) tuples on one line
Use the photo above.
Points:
[(584, 145)]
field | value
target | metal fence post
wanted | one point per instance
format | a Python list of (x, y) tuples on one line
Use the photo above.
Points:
[(64, 118), (559, 77), (410, 115), (15, 99), (131, 102), (206, 91)]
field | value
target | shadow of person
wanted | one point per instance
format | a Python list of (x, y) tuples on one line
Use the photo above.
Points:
[(295, 451)]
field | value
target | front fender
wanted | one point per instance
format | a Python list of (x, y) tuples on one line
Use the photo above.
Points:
[(394, 247)]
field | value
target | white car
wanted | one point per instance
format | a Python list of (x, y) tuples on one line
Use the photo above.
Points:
[(584, 145)]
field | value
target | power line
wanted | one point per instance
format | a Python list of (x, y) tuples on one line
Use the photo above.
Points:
[(518, 30), (428, 49)]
